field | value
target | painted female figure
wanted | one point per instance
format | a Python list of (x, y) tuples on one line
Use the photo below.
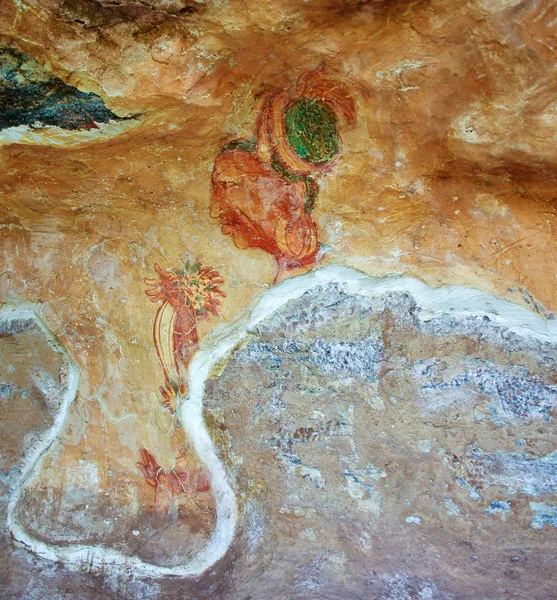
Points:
[(264, 188)]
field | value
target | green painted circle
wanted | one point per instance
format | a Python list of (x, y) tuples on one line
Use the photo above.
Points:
[(311, 130)]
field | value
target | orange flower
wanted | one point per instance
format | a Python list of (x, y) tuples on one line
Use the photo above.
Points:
[(194, 294), (195, 287)]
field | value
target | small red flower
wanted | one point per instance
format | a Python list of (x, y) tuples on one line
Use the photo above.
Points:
[(169, 485)]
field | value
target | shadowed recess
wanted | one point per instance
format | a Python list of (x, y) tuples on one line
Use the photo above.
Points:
[(144, 15), (30, 95)]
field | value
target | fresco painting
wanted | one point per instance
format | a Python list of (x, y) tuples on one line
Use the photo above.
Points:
[(193, 294), (168, 485), (264, 188), (344, 385)]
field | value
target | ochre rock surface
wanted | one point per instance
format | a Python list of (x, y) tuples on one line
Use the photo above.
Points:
[(446, 116)]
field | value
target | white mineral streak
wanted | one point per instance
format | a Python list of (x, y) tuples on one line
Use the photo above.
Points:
[(50, 135), (413, 520), (456, 302)]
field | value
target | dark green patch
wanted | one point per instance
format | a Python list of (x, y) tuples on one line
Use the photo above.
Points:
[(311, 129), (245, 145), (30, 95)]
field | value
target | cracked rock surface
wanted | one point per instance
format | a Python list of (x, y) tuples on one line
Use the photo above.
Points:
[(360, 460)]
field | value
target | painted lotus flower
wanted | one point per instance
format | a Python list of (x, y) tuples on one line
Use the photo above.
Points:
[(193, 294)]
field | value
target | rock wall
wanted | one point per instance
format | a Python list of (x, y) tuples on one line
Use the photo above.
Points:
[(233, 360)]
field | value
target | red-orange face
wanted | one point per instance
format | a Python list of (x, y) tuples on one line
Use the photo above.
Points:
[(250, 199)]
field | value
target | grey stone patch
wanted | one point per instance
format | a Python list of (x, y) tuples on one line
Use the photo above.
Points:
[(358, 359), (326, 305), (296, 467), (488, 330), (424, 445), (361, 485), (333, 471), (289, 437), (452, 509), (515, 394), (402, 586), (331, 310), (14, 326), (472, 491), (543, 514), (515, 471), (7, 390)]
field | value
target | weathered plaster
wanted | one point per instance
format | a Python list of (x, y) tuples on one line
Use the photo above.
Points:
[(445, 304)]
